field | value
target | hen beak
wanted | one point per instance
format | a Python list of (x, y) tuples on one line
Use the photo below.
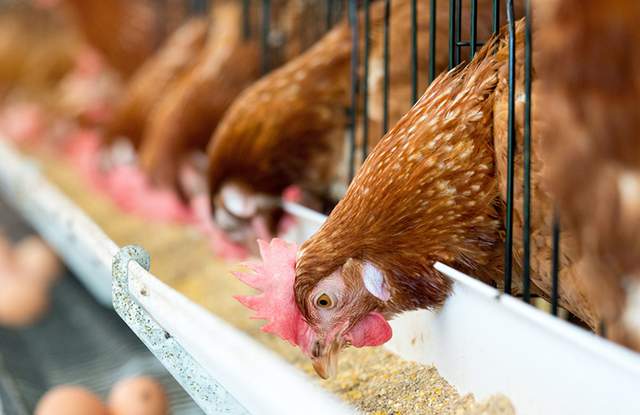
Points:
[(326, 362)]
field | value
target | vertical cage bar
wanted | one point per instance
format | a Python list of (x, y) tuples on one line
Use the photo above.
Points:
[(266, 30), (496, 17), (246, 19), (433, 18), (414, 51), (526, 185), (329, 14), (458, 48), (355, 40), (555, 263), (385, 91), (365, 81), (452, 33), (508, 246), (602, 329), (198, 7), (474, 29), (161, 31), (338, 11)]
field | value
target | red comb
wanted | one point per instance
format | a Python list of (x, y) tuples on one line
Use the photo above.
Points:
[(274, 278)]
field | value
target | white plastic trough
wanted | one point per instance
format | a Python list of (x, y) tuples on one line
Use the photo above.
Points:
[(482, 342)]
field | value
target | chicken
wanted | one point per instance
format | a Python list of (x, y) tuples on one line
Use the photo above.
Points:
[(125, 31), (590, 65), (152, 80), (289, 128), (183, 122), (36, 50), (271, 118), (187, 114), (573, 294), (426, 193)]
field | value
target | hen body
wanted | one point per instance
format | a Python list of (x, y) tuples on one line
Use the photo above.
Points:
[(591, 70), (152, 80), (36, 50), (426, 193), (184, 120), (289, 128), (187, 114), (126, 32)]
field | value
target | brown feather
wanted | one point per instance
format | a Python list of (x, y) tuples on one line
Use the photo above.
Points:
[(189, 111), (289, 128), (152, 79), (426, 193)]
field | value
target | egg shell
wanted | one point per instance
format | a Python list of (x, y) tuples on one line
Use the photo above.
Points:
[(22, 301), (70, 400), (138, 396), (35, 259)]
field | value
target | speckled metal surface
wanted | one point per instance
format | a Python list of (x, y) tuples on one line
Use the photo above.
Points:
[(205, 390)]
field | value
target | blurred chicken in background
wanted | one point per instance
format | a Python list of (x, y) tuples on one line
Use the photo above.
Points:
[(189, 110), (152, 79), (289, 128), (125, 32), (573, 294), (36, 50), (182, 123), (590, 64)]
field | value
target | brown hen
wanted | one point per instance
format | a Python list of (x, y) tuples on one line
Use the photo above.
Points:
[(289, 128), (36, 49), (184, 120), (189, 111), (426, 193), (591, 68), (126, 32), (152, 79)]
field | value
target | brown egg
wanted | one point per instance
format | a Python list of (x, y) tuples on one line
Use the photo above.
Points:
[(34, 259), (138, 396), (22, 301), (70, 400)]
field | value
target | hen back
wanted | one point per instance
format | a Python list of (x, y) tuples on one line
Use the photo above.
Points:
[(152, 79), (36, 50)]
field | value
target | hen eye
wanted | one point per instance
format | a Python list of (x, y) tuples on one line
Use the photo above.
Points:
[(324, 301)]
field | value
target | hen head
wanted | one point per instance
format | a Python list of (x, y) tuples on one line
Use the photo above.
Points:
[(244, 214), (322, 315), (344, 308)]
